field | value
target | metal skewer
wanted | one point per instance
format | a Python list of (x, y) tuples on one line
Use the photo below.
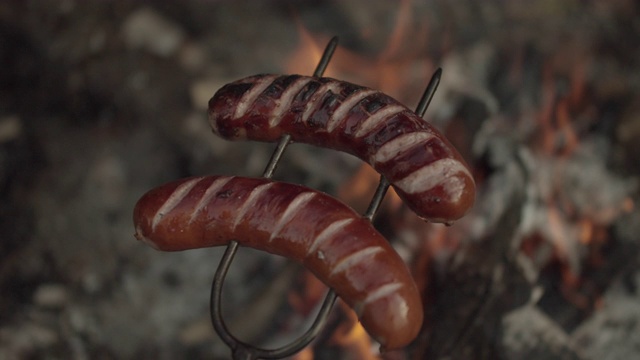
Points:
[(286, 139), (243, 351)]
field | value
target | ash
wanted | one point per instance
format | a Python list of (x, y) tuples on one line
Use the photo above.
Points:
[(101, 101)]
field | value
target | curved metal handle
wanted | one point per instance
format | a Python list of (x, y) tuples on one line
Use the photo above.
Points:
[(243, 351)]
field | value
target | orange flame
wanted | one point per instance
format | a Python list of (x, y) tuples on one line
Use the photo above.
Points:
[(400, 61), (306, 56), (392, 71), (577, 232), (351, 336), (559, 135)]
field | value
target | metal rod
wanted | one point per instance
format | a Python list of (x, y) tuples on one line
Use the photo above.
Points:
[(309, 335), (421, 108), (326, 56), (378, 196), (381, 190), (215, 302), (285, 140), (275, 157), (430, 90), (242, 351)]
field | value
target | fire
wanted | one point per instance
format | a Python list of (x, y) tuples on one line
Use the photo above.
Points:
[(359, 189), (351, 336), (579, 196), (307, 55), (392, 71), (311, 292), (555, 119), (348, 334), (572, 199), (400, 69)]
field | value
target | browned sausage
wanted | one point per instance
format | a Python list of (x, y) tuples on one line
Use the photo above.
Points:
[(340, 247), (424, 168)]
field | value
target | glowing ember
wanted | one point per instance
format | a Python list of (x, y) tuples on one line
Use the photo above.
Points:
[(544, 153)]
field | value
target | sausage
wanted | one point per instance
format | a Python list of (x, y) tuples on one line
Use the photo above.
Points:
[(424, 168), (339, 246)]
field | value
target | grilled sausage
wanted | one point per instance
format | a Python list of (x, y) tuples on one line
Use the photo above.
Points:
[(340, 247), (423, 167)]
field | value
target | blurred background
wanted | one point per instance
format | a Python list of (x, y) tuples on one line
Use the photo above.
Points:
[(101, 101)]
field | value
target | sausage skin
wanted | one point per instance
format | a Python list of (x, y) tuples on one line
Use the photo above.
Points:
[(426, 171), (339, 246)]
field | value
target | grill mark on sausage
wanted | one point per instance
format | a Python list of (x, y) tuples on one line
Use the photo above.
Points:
[(378, 117), (399, 144), (300, 201), (208, 194), (250, 202), (172, 201), (440, 172), (340, 113), (355, 258), (250, 96), (320, 94), (363, 122), (284, 103), (328, 233), (382, 291), (362, 279), (144, 239)]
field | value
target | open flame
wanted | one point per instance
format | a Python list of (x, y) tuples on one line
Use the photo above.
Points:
[(555, 119), (576, 215), (400, 69), (572, 198), (351, 336)]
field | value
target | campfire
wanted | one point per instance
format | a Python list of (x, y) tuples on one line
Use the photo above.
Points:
[(540, 100), (545, 209)]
